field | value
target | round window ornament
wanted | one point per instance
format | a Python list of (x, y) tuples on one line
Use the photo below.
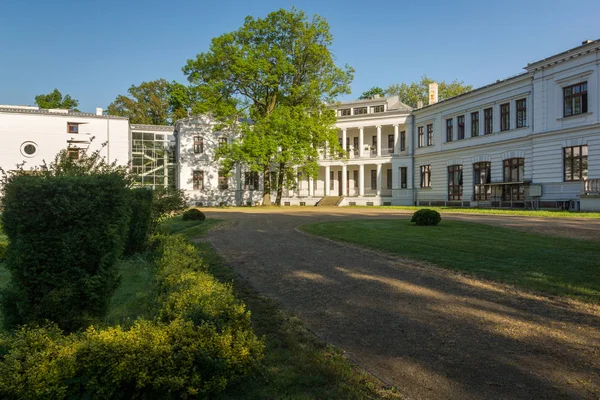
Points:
[(29, 149)]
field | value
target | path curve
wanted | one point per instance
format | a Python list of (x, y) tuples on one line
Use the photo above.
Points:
[(433, 333)]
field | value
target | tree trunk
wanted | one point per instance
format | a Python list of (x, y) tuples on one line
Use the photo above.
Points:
[(280, 177), (266, 186)]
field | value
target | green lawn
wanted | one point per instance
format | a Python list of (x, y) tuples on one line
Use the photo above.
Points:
[(495, 211), (551, 265)]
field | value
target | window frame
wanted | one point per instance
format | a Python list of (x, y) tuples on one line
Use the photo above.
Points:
[(363, 110), (488, 121), (421, 136), (403, 177), (403, 141), (198, 145), (449, 129), (429, 134), (425, 176), (521, 117), (478, 167), (460, 127), (223, 180), (455, 183), (198, 179), (344, 112), (377, 109), (504, 117), (475, 124), (582, 163), (73, 125), (511, 164), (373, 179), (251, 180), (582, 95)]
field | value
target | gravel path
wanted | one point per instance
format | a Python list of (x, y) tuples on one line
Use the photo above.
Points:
[(433, 333)]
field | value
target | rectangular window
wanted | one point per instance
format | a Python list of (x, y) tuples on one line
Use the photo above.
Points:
[(475, 124), (425, 176), (223, 180), (482, 174), (377, 109), (403, 141), (390, 144), (460, 127), (429, 134), (521, 113), (345, 112), (504, 117), (73, 154), (355, 176), (403, 177), (222, 141), (198, 180), (388, 179), (198, 145), (373, 179), (421, 135), (488, 121), (360, 110), (455, 182), (331, 182), (251, 180), (72, 127), (575, 163), (449, 130), (355, 140), (575, 99), (513, 169)]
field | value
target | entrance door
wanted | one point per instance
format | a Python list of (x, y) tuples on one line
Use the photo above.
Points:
[(339, 183)]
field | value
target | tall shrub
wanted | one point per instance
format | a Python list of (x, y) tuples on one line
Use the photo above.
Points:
[(65, 235), (140, 204)]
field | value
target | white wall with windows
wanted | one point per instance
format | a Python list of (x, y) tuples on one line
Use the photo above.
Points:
[(32, 135)]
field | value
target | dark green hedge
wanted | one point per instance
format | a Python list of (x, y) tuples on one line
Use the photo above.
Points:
[(140, 203), (193, 214), (425, 217), (200, 339), (65, 235)]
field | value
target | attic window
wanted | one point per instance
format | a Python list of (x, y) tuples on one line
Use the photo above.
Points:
[(377, 109), (72, 127), (344, 112)]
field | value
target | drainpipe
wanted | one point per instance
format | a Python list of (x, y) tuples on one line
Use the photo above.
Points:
[(412, 156)]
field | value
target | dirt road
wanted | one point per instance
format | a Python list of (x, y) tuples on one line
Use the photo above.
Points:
[(433, 333)]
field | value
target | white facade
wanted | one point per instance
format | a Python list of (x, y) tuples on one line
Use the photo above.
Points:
[(31, 135), (539, 140)]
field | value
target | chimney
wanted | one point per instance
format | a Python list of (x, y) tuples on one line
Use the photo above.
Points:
[(98, 111), (433, 93), (420, 104), (587, 41), (375, 96)]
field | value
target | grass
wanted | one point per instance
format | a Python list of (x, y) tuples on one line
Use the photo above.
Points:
[(547, 264), (495, 211), (297, 365), (190, 229)]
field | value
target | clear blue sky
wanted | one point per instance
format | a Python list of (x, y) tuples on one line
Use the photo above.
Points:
[(95, 50)]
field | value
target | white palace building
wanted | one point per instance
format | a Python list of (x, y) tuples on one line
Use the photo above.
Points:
[(532, 140)]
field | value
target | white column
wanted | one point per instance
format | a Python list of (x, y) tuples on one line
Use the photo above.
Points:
[(378, 140), (396, 141), (378, 179), (344, 180), (361, 137), (361, 180), (327, 182), (311, 187), (344, 139)]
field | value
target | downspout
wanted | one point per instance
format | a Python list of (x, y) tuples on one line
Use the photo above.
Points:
[(412, 155)]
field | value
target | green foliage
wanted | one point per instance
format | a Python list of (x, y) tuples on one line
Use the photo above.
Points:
[(140, 206), (55, 99), (156, 102), (411, 94), (165, 203), (193, 214), (369, 94), (271, 69), (64, 242), (426, 217), (2, 251), (201, 340)]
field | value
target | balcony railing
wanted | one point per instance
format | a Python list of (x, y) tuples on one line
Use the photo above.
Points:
[(388, 151), (591, 186)]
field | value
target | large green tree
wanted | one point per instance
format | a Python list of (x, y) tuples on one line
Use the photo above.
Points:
[(279, 71), (369, 94), (411, 94), (157, 102), (55, 99)]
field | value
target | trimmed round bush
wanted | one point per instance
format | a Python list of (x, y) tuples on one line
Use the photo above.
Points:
[(193, 214), (425, 217)]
